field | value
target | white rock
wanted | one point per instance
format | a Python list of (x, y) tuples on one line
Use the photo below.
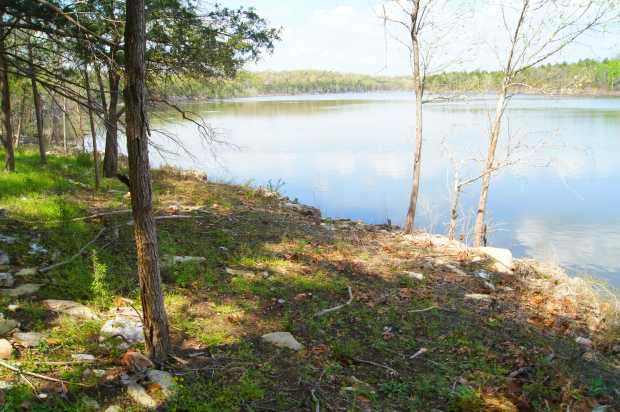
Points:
[(186, 259), (584, 341), (478, 296), (27, 272), (163, 379), (415, 275), (484, 275), (4, 259), (13, 307), (83, 357), (129, 329), (6, 349), (139, 395), (238, 272), (283, 340), (36, 249), (70, 308), (6, 280), (28, 339), (7, 239), (21, 290), (502, 257), (113, 408), (7, 325)]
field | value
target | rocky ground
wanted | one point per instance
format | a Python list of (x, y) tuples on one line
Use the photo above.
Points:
[(274, 308)]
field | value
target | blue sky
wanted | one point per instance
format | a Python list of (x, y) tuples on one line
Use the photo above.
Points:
[(348, 36)]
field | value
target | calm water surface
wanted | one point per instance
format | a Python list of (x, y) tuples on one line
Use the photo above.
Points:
[(351, 156)]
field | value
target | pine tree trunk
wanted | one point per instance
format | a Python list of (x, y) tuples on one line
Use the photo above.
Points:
[(37, 107), (110, 160), (91, 120), (7, 132), (154, 314)]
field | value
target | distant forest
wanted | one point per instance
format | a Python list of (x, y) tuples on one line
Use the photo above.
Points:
[(583, 77)]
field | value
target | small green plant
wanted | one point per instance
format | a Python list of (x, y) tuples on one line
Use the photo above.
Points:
[(99, 285), (394, 389), (598, 387), (465, 399)]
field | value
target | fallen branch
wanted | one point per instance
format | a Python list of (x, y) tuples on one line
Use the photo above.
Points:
[(418, 353), (335, 308), (102, 214), (55, 265), (391, 370), (36, 375), (423, 310)]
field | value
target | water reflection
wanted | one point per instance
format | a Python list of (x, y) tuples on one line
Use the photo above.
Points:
[(350, 155)]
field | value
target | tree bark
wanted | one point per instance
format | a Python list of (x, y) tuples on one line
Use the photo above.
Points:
[(479, 229), (91, 119), (110, 160), (156, 332), (454, 209), (37, 107), (419, 93), (7, 135)]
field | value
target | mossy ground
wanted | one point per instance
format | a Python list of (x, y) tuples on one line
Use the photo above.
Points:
[(289, 268)]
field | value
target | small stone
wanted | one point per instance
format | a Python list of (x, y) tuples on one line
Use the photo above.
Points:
[(27, 272), (244, 273), (415, 275), (7, 325), (28, 339), (90, 403), (4, 258), (6, 349), (13, 307), (25, 289), (136, 362), (7, 239), (139, 395), (68, 307), (186, 259), (584, 341), (502, 257), (83, 357), (478, 296), (6, 280), (483, 275), (283, 340), (131, 330), (281, 301), (37, 249), (113, 408), (163, 379)]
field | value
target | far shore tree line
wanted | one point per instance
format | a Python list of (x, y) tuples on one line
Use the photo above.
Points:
[(70, 69), (586, 77)]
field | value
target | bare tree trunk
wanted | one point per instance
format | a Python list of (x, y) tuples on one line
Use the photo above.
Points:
[(64, 124), (81, 127), (37, 107), (7, 138), (419, 92), (20, 119), (92, 125), (110, 160), (156, 333), (479, 229), (454, 210)]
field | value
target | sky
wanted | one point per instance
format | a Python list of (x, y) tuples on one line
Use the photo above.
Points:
[(349, 36)]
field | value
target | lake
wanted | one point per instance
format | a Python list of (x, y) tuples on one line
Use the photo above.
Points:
[(351, 156)]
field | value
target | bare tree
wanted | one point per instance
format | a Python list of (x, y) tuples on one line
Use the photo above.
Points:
[(537, 30), (154, 314), (429, 25), (91, 120)]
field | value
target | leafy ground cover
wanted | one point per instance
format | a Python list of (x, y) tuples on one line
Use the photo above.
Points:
[(423, 330)]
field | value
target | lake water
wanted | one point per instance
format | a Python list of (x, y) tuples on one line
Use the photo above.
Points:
[(351, 156)]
